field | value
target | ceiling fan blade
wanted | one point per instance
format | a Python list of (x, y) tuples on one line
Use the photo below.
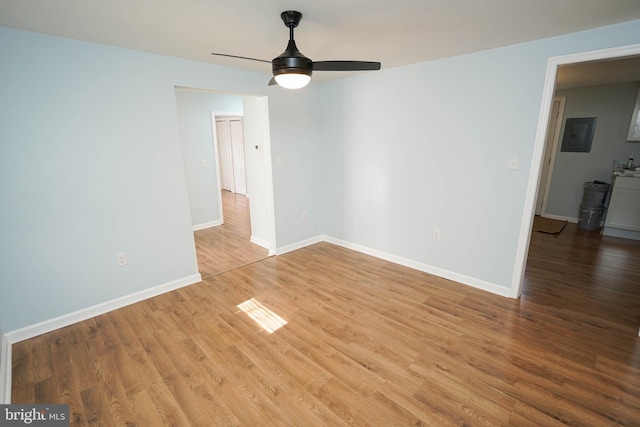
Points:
[(345, 66), (240, 57), (272, 81)]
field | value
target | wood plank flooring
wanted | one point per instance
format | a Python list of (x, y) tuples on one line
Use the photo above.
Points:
[(367, 343), (227, 246)]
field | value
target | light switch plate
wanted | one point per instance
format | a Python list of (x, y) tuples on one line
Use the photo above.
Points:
[(513, 162)]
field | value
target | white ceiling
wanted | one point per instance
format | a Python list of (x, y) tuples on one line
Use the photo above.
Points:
[(397, 33)]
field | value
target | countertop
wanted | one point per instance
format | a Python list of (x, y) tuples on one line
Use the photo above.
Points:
[(628, 173)]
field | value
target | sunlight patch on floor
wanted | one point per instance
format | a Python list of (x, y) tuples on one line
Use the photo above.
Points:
[(267, 319)]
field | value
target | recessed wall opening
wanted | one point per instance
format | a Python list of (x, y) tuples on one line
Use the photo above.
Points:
[(248, 223)]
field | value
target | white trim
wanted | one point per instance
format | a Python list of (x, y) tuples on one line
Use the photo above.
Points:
[(270, 197), (562, 100), (301, 244), (262, 243), (207, 225), (216, 162), (425, 268), (621, 233), (522, 250), (5, 371), (224, 113), (96, 310)]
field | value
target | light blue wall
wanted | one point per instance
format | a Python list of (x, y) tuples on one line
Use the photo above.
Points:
[(298, 179), (196, 137), (612, 105), (426, 146), (91, 165)]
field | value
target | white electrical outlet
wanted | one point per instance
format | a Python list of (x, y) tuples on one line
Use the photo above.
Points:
[(436, 234), (121, 259), (305, 215)]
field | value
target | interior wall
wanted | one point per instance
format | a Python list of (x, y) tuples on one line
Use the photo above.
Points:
[(196, 137), (257, 152), (91, 147), (426, 147), (297, 163), (612, 105)]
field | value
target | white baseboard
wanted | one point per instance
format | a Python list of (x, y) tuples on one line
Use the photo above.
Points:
[(262, 243), (300, 244), (445, 274), (623, 234), (96, 310), (258, 241), (207, 225), (5, 371), (425, 268)]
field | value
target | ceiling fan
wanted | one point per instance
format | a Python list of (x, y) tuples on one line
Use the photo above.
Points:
[(292, 70)]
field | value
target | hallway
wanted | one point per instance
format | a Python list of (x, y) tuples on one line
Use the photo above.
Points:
[(227, 246)]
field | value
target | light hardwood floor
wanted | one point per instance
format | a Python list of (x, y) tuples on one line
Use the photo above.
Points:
[(367, 343), (227, 246)]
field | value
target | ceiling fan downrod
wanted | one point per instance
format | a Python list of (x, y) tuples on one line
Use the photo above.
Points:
[(292, 61)]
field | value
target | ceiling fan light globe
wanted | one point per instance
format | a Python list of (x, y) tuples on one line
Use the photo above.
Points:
[(292, 80)]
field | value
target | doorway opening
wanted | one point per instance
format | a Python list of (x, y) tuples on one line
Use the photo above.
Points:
[(539, 147), (236, 230)]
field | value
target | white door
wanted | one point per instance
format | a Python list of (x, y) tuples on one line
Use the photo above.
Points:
[(237, 154), (226, 158), (548, 158), (232, 163)]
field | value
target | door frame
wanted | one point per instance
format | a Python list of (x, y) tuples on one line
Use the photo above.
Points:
[(553, 146), (528, 212)]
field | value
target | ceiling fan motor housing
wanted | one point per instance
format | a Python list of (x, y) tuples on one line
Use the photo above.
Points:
[(291, 61)]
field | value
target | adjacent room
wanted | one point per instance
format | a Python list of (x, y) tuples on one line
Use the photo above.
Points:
[(186, 241)]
